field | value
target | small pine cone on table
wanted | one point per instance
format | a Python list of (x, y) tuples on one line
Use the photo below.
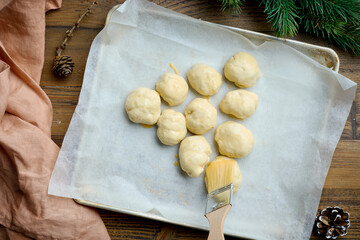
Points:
[(63, 66), (332, 222)]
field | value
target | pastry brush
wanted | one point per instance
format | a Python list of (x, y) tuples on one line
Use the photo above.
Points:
[(219, 177)]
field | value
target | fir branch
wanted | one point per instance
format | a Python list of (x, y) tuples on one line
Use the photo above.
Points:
[(283, 15), (335, 20), (231, 5), (348, 10)]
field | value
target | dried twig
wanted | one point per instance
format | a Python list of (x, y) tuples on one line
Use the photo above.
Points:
[(70, 32)]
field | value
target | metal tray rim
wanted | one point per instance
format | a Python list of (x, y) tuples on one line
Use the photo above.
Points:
[(148, 216)]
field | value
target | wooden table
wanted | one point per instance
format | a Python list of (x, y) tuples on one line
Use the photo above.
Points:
[(342, 187)]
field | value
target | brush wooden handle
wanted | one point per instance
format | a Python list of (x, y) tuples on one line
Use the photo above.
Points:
[(216, 220)]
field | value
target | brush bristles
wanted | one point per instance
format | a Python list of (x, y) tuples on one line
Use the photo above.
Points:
[(219, 173)]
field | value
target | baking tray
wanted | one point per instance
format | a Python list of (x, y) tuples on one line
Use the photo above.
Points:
[(325, 56)]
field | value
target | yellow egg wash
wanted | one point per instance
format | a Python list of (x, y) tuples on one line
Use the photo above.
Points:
[(174, 68)]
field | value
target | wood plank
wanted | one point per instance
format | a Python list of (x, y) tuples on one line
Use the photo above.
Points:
[(78, 50), (344, 172), (348, 132), (64, 100), (342, 183), (70, 11), (349, 201), (356, 115), (122, 226)]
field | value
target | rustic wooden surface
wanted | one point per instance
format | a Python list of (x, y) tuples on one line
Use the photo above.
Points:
[(342, 187)]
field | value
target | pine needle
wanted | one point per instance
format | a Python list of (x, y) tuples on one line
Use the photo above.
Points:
[(335, 20), (233, 6), (283, 15)]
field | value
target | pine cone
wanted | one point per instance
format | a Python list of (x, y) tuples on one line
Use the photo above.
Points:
[(63, 66), (332, 222)]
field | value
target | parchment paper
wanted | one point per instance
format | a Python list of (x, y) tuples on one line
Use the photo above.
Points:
[(107, 159)]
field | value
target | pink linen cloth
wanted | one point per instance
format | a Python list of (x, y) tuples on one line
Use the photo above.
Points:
[(27, 153)]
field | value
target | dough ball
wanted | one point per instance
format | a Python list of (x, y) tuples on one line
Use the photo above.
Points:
[(143, 105), (172, 88), (229, 170), (234, 139), (204, 79), (171, 127), (239, 103), (201, 116), (194, 154), (242, 69)]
